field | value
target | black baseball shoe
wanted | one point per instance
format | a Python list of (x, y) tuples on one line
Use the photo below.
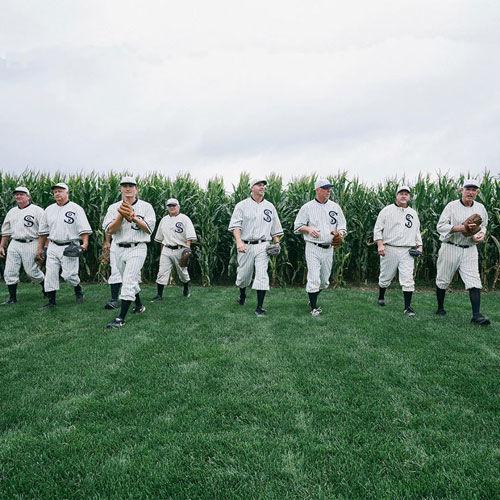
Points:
[(116, 323), (260, 312), (409, 312), (9, 302), (316, 312), (441, 312), (79, 298), (112, 304), (186, 292), (381, 302), (480, 320), (139, 310), (157, 298)]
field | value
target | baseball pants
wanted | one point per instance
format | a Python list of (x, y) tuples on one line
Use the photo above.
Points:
[(115, 276), (56, 262), (255, 258), (397, 259), (129, 262), (319, 267), (452, 258), (21, 254), (170, 259)]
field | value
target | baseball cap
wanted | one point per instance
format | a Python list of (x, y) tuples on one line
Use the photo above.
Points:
[(21, 189), (403, 188), (323, 183), (471, 183), (127, 179), (256, 180), (62, 185), (172, 201)]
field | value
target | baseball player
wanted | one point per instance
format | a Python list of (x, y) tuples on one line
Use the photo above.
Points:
[(254, 223), (20, 227), (317, 221), (131, 222), (459, 251), (175, 233), (62, 223), (396, 231), (115, 278)]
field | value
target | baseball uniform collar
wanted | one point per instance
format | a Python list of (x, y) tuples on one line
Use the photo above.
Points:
[(326, 201), (136, 200), (465, 204), (255, 201), (25, 206)]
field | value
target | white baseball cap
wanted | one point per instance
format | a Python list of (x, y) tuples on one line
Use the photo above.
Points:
[(471, 183), (127, 179), (403, 188), (257, 180), (61, 185), (21, 189), (323, 183), (172, 201)]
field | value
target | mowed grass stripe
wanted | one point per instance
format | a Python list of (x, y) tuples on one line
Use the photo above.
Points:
[(199, 398)]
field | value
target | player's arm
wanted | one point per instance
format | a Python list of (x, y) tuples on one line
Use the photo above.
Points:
[(300, 226), (141, 224), (240, 246), (115, 224), (378, 232), (85, 241), (42, 244), (480, 235), (4, 243), (106, 245)]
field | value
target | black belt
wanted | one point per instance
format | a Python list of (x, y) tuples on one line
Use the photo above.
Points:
[(23, 241), (129, 245), (253, 242), (321, 245), (173, 247), (61, 244), (455, 245)]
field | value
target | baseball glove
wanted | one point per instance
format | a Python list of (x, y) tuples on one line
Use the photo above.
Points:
[(273, 249), (72, 250), (126, 211), (104, 258), (472, 225), (337, 239), (184, 260), (414, 252)]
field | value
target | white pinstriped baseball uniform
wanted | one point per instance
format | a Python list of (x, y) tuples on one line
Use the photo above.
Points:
[(131, 248), (399, 229), (115, 276), (21, 225), (258, 222), (325, 217), (173, 233), (62, 224), (458, 252)]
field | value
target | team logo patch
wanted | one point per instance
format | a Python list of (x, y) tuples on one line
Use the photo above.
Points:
[(29, 220), (69, 217), (179, 227), (409, 221), (267, 215), (333, 217), (134, 225)]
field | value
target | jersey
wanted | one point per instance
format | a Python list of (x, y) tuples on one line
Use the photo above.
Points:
[(398, 227), (22, 223), (325, 217), (175, 231), (454, 214), (130, 232), (257, 221), (63, 223)]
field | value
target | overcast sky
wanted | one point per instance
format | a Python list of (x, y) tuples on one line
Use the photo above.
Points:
[(377, 88)]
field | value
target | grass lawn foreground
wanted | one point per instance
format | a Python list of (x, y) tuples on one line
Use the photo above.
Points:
[(199, 398)]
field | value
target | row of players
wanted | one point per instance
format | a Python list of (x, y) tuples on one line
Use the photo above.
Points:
[(35, 234)]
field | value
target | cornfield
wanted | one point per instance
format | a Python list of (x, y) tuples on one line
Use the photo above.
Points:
[(210, 209)]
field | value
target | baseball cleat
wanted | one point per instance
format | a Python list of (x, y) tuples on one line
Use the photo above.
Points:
[(315, 312), (139, 310), (381, 302), (480, 320), (409, 312), (9, 302), (112, 304), (260, 312), (156, 298), (441, 312), (116, 323)]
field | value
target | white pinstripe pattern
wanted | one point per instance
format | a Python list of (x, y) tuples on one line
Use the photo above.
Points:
[(115, 276), (56, 262), (254, 258), (129, 262), (169, 259), (397, 259), (319, 267)]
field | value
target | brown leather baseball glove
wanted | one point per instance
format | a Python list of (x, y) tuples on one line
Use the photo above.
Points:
[(184, 260), (337, 239), (126, 211), (472, 225)]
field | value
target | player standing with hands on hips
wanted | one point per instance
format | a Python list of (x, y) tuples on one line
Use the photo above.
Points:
[(398, 239), (254, 224), (131, 222), (459, 239), (20, 227), (323, 225), (63, 224)]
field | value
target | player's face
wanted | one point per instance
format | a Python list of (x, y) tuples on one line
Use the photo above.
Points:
[(323, 194), (22, 199), (173, 210), (128, 190), (259, 189), (469, 194), (403, 198), (60, 195)]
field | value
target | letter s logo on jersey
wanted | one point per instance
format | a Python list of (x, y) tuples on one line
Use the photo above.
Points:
[(134, 225), (179, 227), (409, 222), (267, 215), (29, 220), (333, 217), (69, 217)]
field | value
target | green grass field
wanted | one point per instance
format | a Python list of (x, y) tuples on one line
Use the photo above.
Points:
[(198, 398)]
